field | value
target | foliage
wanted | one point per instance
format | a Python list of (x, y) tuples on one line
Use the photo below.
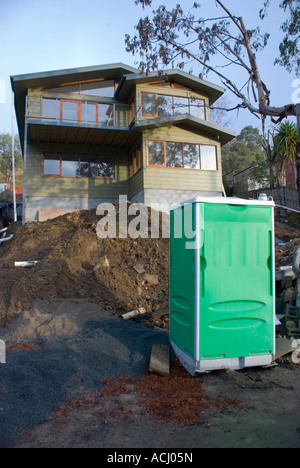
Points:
[(6, 156), (286, 140), (285, 146), (243, 152), (289, 48)]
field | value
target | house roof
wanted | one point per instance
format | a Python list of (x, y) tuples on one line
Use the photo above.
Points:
[(224, 135), (128, 83), (21, 83)]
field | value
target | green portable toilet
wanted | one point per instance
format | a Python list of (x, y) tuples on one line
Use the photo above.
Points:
[(222, 283)]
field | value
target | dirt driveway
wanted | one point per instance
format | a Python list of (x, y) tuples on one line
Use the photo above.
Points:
[(77, 377)]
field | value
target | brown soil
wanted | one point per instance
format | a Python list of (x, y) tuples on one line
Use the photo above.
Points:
[(70, 266)]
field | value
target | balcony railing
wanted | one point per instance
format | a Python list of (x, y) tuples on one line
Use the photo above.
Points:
[(80, 112)]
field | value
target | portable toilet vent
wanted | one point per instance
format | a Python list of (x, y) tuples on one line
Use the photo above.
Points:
[(222, 283)]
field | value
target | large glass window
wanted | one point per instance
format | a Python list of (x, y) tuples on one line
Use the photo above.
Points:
[(69, 165), (51, 109), (88, 166), (52, 164), (156, 153), (73, 89), (89, 112), (208, 157), (69, 111), (106, 114), (197, 108), (101, 88), (78, 165), (164, 105), (161, 105), (174, 155), (104, 88), (105, 167), (191, 156), (182, 155), (181, 105), (149, 104)]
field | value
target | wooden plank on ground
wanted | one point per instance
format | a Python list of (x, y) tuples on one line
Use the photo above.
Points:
[(160, 360), (283, 347), (49, 213)]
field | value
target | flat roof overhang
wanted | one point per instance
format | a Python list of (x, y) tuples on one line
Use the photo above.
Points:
[(70, 134), (21, 83), (188, 122), (128, 83)]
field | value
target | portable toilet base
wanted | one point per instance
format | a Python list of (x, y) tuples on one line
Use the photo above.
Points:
[(207, 365), (222, 283)]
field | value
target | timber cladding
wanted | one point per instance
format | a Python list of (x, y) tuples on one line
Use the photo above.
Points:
[(175, 178), (38, 185)]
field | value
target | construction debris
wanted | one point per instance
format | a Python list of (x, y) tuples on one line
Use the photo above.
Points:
[(134, 313), (26, 264), (160, 360)]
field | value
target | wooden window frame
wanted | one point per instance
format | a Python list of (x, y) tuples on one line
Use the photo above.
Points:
[(148, 155), (184, 168), (79, 109), (173, 105), (135, 161), (97, 156)]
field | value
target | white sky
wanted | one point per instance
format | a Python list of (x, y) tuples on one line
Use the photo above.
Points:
[(41, 35)]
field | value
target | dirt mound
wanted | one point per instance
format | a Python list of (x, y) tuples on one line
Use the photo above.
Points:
[(74, 263)]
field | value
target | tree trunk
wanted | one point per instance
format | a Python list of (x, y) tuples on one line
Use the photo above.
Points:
[(271, 174)]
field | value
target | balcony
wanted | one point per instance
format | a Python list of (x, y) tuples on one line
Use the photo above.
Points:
[(77, 121), (79, 112)]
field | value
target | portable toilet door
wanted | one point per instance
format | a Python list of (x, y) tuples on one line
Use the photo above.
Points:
[(222, 283)]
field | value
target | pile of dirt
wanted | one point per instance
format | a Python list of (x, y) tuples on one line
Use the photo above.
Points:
[(74, 263)]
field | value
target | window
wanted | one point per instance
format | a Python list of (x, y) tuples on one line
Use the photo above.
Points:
[(101, 88), (156, 153), (79, 112), (164, 105), (149, 104), (135, 161), (161, 105), (78, 165), (90, 112), (197, 108), (106, 114), (88, 166), (191, 156), (70, 111), (208, 158), (69, 165), (174, 155), (51, 109), (182, 155), (181, 105), (52, 164), (168, 84)]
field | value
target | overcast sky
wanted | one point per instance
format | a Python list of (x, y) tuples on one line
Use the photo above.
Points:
[(42, 35)]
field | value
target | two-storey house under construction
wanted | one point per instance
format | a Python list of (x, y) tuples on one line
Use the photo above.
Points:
[(91, 134)]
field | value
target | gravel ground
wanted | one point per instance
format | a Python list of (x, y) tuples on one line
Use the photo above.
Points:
[(63, 385)]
